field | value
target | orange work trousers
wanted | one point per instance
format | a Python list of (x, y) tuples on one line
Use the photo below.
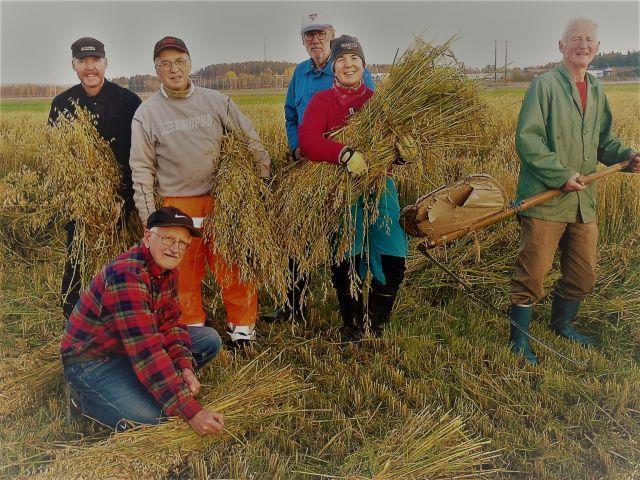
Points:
[(240, 299)]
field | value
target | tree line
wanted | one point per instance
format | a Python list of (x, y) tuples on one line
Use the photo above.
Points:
[(271, 74)]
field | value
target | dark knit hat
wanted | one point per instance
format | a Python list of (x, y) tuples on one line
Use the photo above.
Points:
[(346, 44), (169, 42), (87, 47)]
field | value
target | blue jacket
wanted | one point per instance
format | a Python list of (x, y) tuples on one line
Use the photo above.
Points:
[(305, 83)]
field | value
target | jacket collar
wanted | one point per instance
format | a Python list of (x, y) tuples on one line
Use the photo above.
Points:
[(192, 88), (310, 67), (572, 89)]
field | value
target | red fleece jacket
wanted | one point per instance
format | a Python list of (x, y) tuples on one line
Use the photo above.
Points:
[(327, 111)]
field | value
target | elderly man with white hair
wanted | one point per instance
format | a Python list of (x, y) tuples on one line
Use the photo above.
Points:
[(564, 130)]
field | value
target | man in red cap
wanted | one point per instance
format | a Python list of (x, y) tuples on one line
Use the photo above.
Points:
[(175, 146)]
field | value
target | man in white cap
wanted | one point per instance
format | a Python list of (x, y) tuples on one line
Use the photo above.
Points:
[(310, 76)]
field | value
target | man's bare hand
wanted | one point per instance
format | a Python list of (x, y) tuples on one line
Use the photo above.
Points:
[(574, 184), (192, 382), (634, 166), (207, 422)]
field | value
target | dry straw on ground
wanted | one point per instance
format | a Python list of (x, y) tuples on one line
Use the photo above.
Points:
[(241, 226), (254, 395), (427, 446), (426, 96), (28, 379)]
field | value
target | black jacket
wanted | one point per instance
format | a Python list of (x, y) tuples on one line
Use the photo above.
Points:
[(114, 106)]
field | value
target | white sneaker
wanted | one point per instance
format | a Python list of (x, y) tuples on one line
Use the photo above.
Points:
[(241, 335)]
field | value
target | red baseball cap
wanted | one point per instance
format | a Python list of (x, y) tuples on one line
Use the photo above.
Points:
[(169, 42)]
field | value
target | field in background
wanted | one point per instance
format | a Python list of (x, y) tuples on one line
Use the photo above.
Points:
[(443, 352)]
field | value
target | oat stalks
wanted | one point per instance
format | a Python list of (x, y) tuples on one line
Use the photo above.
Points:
[(241, 226), (426, 447), (253, 395)]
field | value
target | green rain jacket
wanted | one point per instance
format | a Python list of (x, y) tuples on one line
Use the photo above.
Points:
[(555, 140)]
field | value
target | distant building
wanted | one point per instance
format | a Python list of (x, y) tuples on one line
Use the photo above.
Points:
[(596, 72)]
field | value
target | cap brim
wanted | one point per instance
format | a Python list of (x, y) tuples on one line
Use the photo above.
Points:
[(195, 232), (318, 26), (89, 54)]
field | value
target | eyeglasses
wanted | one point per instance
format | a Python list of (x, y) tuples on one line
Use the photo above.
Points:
[(321, 34), (166, 65), (171, 241)]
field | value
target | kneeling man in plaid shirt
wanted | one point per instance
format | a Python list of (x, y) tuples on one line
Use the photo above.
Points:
[(126, 356)]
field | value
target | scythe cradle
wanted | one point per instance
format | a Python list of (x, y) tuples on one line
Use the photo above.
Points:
[(416, 222)]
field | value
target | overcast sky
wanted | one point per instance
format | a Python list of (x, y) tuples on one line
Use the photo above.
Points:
[(36, 36)]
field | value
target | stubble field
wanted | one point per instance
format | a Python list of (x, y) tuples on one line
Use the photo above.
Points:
[(439, 394)]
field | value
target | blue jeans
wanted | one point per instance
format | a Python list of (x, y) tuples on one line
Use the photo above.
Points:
[(110, 392)]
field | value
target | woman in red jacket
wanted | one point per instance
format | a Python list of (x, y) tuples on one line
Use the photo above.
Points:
[(384, 241)]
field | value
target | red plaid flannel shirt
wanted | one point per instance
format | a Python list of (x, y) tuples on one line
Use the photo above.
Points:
[(131, 308)]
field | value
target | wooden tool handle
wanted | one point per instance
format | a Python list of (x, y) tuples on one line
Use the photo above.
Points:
[(523, 205)]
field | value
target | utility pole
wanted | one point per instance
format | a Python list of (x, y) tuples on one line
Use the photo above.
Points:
[(495, 61), (505, 62)]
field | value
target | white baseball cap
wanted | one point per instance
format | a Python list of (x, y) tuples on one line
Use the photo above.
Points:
[(314, 21)]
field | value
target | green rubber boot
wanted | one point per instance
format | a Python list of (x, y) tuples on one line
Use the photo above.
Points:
[(563, 312), (518, 339)]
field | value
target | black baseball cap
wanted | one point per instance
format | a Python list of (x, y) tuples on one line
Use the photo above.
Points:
[(87, 47), (346, 44), (172, 217), (169, 42)]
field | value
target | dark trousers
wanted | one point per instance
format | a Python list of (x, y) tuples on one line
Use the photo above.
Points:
[(71, 277), (393, 268)]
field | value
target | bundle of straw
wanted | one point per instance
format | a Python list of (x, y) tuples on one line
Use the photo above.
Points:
[(84, 179), (26, 209), (426, 447), (253, 395), (426, 96), (241, 226), (29, 378)]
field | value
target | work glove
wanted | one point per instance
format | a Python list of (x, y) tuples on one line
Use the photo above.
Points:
[(354, 162), (407, 150)]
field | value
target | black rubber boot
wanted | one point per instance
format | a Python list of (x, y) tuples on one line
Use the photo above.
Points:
[(563, 312), (352, 314), (379, 308), (518, 337)]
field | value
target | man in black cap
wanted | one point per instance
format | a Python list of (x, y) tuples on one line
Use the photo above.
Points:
[(113, 107), (125, 353)]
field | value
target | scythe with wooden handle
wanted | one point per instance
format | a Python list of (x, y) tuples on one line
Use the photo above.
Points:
[(441, 239)]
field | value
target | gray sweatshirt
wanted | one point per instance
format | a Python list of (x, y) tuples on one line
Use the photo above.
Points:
[(175, 144)]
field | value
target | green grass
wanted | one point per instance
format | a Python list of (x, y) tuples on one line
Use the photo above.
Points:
[(241, 98), (40, 105)]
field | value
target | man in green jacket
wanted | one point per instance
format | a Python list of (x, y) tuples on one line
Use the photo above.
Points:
[(564, 130)]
